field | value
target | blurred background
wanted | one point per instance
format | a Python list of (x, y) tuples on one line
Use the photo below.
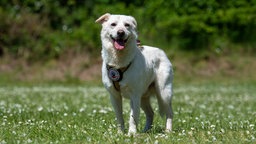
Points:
[(58, 41)]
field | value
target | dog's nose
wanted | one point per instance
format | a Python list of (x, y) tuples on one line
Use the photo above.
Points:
[(120, 33)]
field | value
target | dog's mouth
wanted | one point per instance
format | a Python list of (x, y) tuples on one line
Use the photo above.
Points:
[(119, 43)]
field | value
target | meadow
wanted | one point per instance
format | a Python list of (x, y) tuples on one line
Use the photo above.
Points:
[(52, 113), (50, 69)]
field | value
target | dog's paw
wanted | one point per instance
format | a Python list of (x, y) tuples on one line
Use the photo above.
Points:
[(132, 132), (168, 130), (147, 128), (120, 131)]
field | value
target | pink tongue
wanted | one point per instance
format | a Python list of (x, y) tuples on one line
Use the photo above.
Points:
[(119, 44)]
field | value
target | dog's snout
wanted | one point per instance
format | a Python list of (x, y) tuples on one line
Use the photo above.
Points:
[(120, 33)]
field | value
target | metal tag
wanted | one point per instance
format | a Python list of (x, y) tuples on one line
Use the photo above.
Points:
[(114, 74)]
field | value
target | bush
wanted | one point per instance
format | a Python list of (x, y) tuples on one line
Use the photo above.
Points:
[(45, 29)]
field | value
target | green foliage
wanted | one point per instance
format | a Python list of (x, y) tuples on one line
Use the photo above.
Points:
[(45, 29)]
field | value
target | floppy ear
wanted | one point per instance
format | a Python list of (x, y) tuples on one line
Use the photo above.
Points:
[(103, 18), (133, 21)]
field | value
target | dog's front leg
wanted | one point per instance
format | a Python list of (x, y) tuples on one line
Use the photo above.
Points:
[(134, 115), (118, 108)]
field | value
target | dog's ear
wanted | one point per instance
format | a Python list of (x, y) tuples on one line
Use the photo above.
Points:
[(134, 21), (103, 18)]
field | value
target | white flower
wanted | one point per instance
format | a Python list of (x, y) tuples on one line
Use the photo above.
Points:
[(103, 111), (29, 141), (247, 132), (81, 109), (214, 138), (212, 126), (40, 108), (190, 133)]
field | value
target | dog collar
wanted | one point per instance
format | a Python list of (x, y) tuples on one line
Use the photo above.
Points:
[(116, 75)]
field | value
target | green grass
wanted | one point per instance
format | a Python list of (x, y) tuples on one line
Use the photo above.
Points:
[(204, 113)]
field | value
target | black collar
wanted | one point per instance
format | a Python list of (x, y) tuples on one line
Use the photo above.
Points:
[(116, 75)]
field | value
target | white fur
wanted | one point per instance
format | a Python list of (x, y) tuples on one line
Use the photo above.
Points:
[(150, 73)]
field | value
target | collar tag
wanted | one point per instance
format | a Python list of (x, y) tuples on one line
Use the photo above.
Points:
[(114, 74)]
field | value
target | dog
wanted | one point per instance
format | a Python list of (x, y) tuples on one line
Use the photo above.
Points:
[(134, 72)]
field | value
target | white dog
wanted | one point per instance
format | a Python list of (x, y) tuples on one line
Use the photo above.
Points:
[(134, 72)]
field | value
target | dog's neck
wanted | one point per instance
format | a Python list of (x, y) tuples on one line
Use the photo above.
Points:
[(119, 58)]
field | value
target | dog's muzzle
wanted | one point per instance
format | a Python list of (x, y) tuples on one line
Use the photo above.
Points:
[(119, 42)]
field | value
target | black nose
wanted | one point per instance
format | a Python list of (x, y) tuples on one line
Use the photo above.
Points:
[(120, 33)]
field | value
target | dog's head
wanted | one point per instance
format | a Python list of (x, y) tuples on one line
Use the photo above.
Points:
[(119, 30)]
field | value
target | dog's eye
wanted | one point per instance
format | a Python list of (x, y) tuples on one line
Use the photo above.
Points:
[(113, 24), (127, 25)]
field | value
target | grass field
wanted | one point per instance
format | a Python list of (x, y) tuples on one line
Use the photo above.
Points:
[(204, 113)]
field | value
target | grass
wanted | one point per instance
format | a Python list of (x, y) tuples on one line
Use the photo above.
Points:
[(204, 113)]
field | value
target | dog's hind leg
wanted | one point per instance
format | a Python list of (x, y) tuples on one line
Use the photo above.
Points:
[(118, 108), (163, 85), (164, 98), (146, 107), (165, 106), (169, 117)]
